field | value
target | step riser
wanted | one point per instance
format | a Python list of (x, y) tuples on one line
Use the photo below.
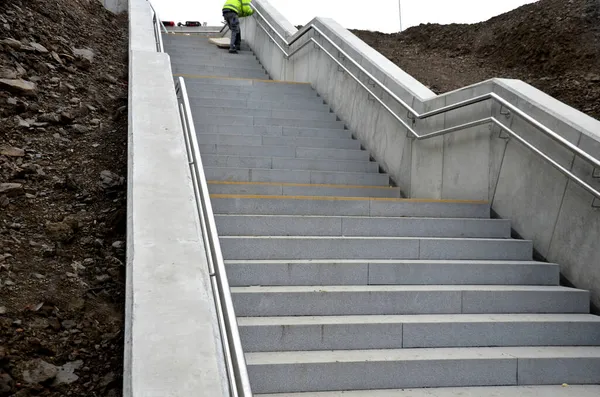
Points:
[(225, 64), (245, 58), (266, 121), (273, 131), (289, 163), (199, 47), (240, 103), (366, 227), (362, 375), (264, 113), (254, 86), (280, 206), (292, 99), (297, 176), (307, 274), (281, 190), (221, 72), (334, 303), (273, 338), (284, 151), (258, 140), (187, 49), (264, 248)]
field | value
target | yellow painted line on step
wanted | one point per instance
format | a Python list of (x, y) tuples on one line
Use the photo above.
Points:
[(299, 185), (340, 198), (194, 76)]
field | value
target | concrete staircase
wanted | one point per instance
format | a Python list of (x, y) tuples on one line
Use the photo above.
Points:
[(341, 285)]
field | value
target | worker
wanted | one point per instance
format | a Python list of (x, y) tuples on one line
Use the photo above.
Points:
[(232, 11)]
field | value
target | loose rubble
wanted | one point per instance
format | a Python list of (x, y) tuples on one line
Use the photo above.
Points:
[(553, 45), (63, 138)]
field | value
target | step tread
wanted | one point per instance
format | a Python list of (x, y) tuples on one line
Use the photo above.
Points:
[(334, 198), (417, 319), (404, 218), (341, 173), (421, 354), (332, 185), (267, 137), (401, 288), (384, 262), (490, 391), (399, 238)]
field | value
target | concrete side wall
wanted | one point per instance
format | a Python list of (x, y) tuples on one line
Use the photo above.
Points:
[(116, 6), (476, 163), (172, 340)]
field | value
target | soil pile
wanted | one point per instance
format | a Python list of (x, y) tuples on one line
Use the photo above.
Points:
[(63, 136), (553, 45)]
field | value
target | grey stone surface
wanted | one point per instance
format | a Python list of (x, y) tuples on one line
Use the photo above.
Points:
[(270, 334), (206, 111), (386, 272), (233, 101), (306, 247), (526, 300), (489, 391), (345, 206), (344, 300), (279, 189), (464, 272), (295, 176), (289, 141), (400, 299), (303, 371), (312, 272), (245, 225)]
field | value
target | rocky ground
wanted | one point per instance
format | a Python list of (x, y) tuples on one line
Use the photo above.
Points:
[(553, 45), (63, 137)]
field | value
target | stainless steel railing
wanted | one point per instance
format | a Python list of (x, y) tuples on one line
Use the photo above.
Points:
[(235, 362), (157, 31), (413, 115)]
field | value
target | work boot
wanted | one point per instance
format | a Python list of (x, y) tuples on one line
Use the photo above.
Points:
[(233, 50)]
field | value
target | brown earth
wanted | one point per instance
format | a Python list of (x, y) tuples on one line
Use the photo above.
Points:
[(63, 137), (553, 45)]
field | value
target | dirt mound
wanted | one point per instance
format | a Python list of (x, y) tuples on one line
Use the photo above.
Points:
[(552, 44), (63, 136)]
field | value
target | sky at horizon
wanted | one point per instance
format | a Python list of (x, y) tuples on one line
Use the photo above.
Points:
[(382, 17)]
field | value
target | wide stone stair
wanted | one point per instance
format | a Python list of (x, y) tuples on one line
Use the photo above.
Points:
[(340, 284)]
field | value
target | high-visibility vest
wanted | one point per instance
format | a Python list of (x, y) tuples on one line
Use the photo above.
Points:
[(241, 7)]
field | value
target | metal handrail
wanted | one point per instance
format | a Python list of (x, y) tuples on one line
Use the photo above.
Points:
[(157, 23), (237, 372), (414, 115)]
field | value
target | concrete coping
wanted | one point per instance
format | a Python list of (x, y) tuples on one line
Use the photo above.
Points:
[(548, 110), (172, 338)]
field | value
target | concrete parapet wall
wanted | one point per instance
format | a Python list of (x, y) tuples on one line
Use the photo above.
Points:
[(116, 6), (476, 163), (172, 340)]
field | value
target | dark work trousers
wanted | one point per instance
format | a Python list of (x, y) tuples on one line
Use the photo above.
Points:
[(234, 25)]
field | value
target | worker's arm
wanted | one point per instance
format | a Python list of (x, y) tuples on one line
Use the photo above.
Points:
[(246, 9)]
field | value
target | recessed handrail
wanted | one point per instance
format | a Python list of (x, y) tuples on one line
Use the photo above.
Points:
[(413, 115)]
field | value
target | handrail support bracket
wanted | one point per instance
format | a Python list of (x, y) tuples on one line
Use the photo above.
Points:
[(505, 112)]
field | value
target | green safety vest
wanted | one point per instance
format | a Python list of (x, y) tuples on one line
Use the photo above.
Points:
[(241, 7)]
